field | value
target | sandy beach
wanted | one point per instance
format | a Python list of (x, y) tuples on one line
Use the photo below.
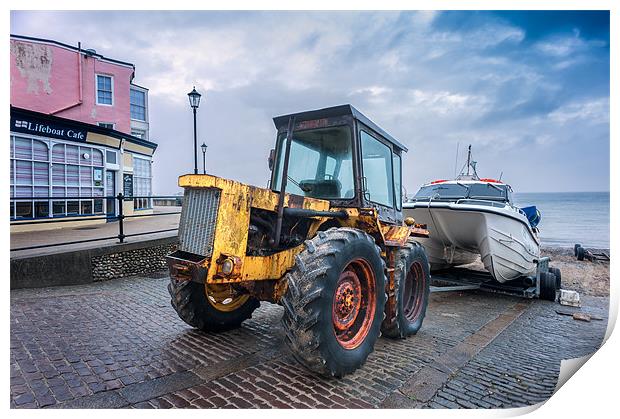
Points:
[(585, 277)]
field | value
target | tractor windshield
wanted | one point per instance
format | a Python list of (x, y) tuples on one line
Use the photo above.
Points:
[(320, 165)]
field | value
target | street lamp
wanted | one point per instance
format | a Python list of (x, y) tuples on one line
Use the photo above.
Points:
[(204, 159), (194, 102)]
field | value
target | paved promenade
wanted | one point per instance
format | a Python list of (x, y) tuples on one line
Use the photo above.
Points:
[(61, 235), (119, 344)]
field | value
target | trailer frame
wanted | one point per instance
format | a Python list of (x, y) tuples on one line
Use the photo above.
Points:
[(462, 279)]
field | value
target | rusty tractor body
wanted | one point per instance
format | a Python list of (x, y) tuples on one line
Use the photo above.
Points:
[(327, 241)]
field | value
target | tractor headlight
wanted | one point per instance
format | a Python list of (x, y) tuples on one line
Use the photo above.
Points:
[(227, 266)]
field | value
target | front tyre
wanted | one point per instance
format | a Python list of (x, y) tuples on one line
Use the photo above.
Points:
[(412, 288), (211, 308), (333, 307)]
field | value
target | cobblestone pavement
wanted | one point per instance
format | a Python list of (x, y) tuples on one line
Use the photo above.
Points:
[(120, 344)]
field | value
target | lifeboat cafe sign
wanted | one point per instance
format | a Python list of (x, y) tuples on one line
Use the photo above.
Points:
[(28, 125)]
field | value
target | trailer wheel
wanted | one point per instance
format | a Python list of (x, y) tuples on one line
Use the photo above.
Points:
[(547, 286), (581, 253), (204, 312), (558, 277), (577, 246), (412, 289), (333, 306)]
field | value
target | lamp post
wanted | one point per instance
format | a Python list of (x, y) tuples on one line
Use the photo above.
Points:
[(204, 159), (194, 102)]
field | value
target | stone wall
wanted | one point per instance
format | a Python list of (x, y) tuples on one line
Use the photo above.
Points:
[(92, 264), (130, 262)]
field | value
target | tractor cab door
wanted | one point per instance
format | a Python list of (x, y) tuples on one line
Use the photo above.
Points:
[(381, 173)]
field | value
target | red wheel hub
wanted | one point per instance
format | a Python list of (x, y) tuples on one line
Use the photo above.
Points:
[(354, 304), (347, 300), (414, 292)]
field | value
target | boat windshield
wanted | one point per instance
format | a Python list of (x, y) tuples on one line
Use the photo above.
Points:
[(488, 191), (441, 191), (456, 191)]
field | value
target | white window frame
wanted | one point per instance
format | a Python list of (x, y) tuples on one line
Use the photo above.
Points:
[(142, 131), (146, 103), (149, 200), (108, 123), (112, 166), (97, 88)]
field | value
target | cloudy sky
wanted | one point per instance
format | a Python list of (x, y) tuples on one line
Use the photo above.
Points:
[(528, 90)]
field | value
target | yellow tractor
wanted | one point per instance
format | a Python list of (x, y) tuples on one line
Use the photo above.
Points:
[(326, 240)]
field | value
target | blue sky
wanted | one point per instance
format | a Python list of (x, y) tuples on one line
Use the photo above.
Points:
[(528, 90)]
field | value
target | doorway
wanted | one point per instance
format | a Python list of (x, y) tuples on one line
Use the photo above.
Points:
[(110, 188)]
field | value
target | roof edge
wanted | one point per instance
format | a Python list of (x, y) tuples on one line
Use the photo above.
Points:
[(71, 47), (346, 109)]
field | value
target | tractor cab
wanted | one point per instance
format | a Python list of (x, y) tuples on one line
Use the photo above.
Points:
[(338, 154)]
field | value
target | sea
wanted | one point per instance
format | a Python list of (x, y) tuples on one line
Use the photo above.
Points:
[(570, 217)]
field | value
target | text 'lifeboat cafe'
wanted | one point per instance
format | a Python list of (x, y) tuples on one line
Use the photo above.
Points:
[(64, 168)]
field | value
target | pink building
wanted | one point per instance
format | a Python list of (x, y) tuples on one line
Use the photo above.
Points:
[(79, 133), (74, 83)]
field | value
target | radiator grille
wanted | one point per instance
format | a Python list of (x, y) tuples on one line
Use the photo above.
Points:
[(198, 220)]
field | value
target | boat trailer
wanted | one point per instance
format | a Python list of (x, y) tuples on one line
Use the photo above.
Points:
[(545, 285)]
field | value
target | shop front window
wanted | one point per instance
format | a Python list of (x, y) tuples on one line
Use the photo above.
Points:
[(29, 177), (142, 183), (64, 171), (41, 209), (23, 209), (59, 208), (77, 172)]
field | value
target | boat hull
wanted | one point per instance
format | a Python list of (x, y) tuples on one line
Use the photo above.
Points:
[(460, 233)]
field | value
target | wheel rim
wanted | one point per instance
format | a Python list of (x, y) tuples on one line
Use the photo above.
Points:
[(414, 292), (354, 304), (223, 297)]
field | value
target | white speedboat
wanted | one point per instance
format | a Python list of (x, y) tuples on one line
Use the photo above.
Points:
[(470, 217)]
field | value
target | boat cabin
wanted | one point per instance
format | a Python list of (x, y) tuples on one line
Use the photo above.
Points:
[(472, 190)]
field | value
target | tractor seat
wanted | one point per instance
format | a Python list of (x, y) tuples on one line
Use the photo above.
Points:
[(328, 188)]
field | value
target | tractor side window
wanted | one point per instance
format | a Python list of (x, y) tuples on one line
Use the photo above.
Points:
[(397, 181), (377, 165)]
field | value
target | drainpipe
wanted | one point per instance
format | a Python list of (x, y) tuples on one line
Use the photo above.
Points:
[(79, 102)]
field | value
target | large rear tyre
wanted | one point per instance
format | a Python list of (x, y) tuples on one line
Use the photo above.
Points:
[(412, 288), (210, 313), (333, 306)]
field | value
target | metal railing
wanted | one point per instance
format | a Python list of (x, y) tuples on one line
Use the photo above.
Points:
[(119, 216)]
